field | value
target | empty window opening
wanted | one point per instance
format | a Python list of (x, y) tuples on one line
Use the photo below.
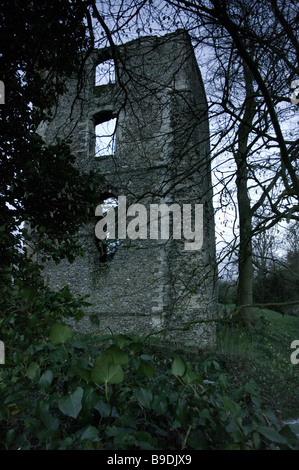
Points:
[(104, 133), (105, 138), (105, 73), (108, 247)]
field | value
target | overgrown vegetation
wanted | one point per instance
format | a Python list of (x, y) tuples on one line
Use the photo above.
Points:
[(264, 356), (65, 391)]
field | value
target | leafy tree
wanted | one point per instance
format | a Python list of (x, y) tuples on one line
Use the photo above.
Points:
[(42, 43), (44, 198)]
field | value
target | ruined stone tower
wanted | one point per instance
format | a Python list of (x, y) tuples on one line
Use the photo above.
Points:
[(161, 155)]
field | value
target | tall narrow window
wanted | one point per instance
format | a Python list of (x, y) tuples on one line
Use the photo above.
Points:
[(105, 130), (105, 138)]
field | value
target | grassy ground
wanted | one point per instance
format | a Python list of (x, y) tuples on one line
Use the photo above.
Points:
[(264, 356)]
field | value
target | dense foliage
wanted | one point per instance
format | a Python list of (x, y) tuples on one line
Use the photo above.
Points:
[(41, 43), (60, 394), (44, 198)]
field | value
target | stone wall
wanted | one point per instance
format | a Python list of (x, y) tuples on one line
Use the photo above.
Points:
[(161, 156)]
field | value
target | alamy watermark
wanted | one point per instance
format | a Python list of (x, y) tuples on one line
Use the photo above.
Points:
[(152, 222), (2, 353), (295, 354), (2, 92)]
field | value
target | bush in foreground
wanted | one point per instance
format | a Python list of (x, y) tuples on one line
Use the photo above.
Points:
[(60, 394)]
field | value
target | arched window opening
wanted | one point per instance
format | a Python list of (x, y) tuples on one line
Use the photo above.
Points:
[(108, 247), (105, 73)]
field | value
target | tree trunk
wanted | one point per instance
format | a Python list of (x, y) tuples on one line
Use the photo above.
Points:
[(245, 315)]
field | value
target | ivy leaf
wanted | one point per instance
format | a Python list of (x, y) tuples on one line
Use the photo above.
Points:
[(71, 405), (104, 371), (223, 382), (32, 370), (46, 380), (116, 356), (271, 435), (90, 433), (191, 377), (51, 422), (59, 334), (145, 397), (231, 407), (146, 369), (107, 367), (178, 367), (105, 410)]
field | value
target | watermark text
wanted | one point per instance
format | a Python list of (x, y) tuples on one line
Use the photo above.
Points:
[(295, 354), (2, 92), (152, 222), (2, 353)]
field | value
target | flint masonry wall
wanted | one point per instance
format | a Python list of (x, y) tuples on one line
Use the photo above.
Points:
[(161, 156)]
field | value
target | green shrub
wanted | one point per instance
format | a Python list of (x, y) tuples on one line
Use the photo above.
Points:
[(59, 393)]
